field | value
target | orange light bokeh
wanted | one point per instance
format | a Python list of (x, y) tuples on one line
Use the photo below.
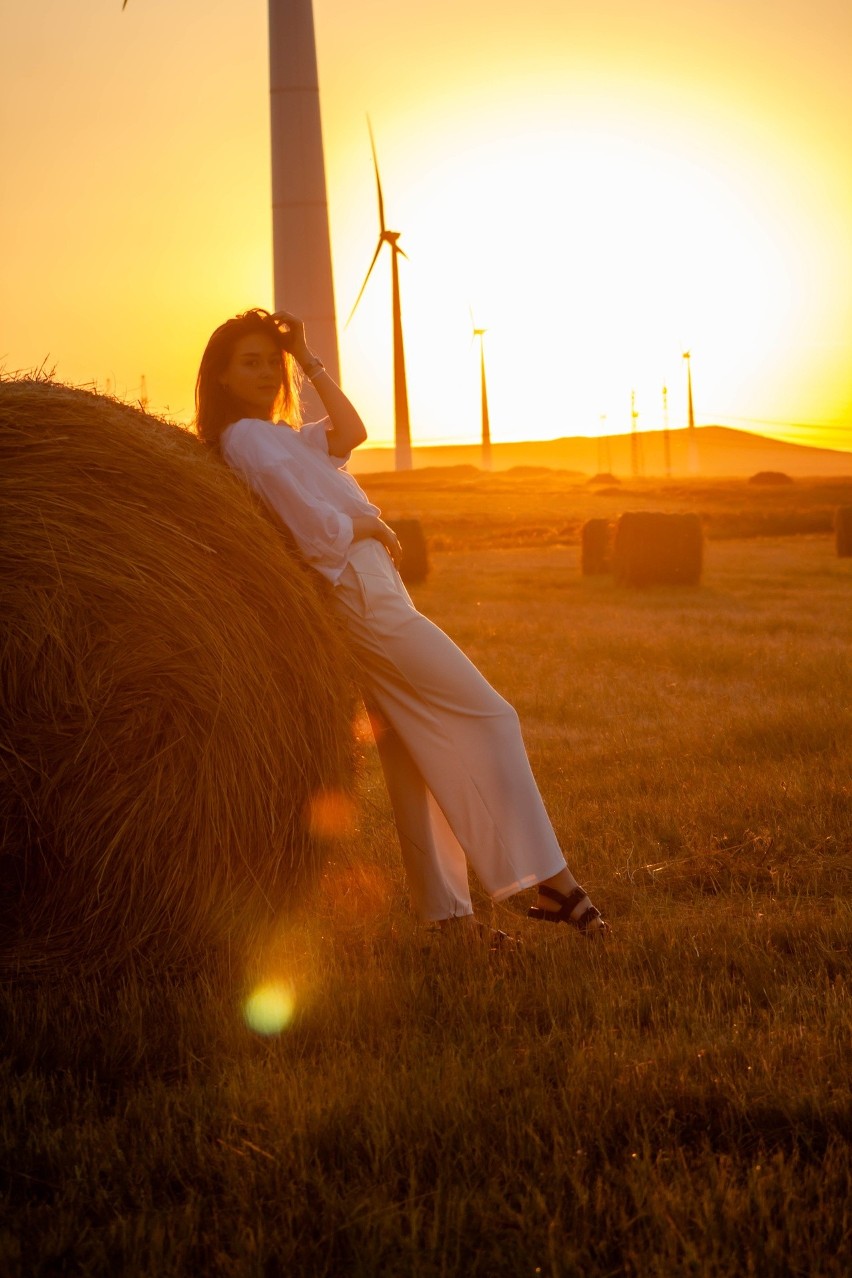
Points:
[(331, 814)]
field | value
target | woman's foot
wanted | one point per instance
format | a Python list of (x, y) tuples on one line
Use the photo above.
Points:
[(573, 907)]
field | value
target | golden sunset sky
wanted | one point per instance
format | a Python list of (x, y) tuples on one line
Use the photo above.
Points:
[(607, 183)]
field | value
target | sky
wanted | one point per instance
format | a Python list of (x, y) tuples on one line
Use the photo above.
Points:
[(604, 184)]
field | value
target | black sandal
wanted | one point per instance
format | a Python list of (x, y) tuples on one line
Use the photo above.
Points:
[(590, 923)]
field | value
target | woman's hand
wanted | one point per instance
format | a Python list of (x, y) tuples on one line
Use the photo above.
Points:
[(293, 337), (371, 526), (347, 430), (390, 541)]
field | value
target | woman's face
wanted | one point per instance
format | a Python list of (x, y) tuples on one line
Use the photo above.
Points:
[(254, 374)]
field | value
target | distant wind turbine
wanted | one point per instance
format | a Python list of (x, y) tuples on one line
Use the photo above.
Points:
[(486, 425), (402, 425), (635, 441), (692, 438)]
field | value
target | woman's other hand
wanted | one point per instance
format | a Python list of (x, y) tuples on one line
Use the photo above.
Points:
[(390, 541), (371, 526)]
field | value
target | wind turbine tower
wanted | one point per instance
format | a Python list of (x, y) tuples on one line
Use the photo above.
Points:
[(667, 446), (486, 425), (402, 424), (692, 437), (635, 442), (300, 236)]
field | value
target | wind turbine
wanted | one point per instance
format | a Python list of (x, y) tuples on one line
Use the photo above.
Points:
[(486, 425), (402, 425), (301, 244), (692, 438), (635, 441)]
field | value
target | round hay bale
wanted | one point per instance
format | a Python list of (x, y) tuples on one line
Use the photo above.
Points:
[(415, 556), (596, 547), (653, 548), (770, 477), (843, 531), (175, 694)]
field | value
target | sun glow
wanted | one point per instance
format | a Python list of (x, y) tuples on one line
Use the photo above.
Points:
[(595, 251), (605, 186)]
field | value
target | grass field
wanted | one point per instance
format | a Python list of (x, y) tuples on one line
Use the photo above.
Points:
[(463, 508), (674, 1102)]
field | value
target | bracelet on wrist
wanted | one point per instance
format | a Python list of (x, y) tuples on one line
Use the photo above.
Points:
[(313, 369)]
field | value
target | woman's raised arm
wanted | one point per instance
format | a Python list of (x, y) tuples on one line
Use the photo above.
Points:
[(347, 430)]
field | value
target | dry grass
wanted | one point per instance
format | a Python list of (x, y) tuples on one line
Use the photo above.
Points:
[(675, 1102), (173, 692), (463, 508)]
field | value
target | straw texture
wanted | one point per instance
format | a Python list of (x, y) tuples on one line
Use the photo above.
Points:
[(415, 554), (652, 548), (843, 531), (175, 695)]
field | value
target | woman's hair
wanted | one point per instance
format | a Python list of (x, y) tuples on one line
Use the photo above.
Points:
[(215, 407)]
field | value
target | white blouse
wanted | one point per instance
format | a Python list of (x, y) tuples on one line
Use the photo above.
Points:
[(307, 488)]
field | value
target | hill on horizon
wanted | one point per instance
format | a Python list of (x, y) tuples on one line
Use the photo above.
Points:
[(723, 452)]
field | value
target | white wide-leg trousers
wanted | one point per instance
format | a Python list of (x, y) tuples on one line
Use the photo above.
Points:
[(451, 749)]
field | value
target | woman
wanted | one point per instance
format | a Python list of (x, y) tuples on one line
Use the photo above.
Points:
[(451, 749)]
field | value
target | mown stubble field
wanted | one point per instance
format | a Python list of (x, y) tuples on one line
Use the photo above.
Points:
[(675, 1101)]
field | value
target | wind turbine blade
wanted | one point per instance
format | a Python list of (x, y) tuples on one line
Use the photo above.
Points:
[(397, 249), (364, 285), (378, 179)]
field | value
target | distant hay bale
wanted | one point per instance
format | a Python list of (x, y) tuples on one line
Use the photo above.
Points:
[(415, 556), (596, 547), (770, 477), (175, 695), (843, 531), (652, 548)]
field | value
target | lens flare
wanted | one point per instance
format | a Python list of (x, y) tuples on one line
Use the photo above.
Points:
[(330, 814), (269, 1008)]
